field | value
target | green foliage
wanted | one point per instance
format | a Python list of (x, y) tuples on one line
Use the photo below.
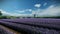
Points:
[(7, 17), (49, 17), (0, 13), (3, 17)]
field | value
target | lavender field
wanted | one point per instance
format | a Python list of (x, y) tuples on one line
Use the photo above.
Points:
[(29, 16), (33, 25)]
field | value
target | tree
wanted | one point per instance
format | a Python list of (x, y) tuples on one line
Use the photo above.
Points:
[(0, 13)]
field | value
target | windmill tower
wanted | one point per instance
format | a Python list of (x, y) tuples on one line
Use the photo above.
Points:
[(35, 12)]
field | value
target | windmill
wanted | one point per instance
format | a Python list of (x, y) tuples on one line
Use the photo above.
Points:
[(37, 6)]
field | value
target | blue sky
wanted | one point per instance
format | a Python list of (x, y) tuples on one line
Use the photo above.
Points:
[(28, 7)]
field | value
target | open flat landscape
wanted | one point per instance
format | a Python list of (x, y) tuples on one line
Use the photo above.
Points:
[(29, 16), (30, 26)]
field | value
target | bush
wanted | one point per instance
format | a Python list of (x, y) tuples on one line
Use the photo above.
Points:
[(3, 17)]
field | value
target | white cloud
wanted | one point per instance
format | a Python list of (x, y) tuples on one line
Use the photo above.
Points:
[(29, 9), (4, 12), (24, 11), (52, 6), (7, 13), (14, 14), (51, 11), (44, 4), (37, 5)]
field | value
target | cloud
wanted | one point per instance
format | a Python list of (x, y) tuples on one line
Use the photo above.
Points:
[(51, 11), (52, 6), (29, 9), (4, 12), (24, 11), (7, 13), (15, 14), (37, 5), (44, 4), (20, 11)]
